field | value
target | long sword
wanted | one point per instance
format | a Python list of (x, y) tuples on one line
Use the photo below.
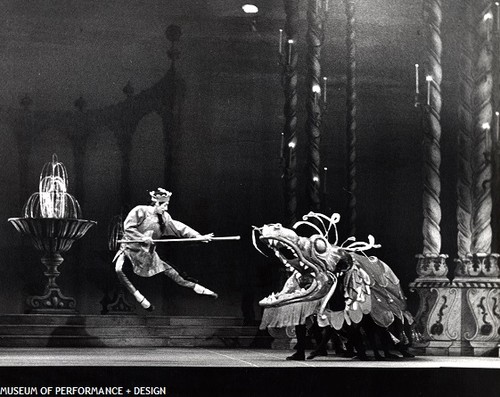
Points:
[(183, 240)]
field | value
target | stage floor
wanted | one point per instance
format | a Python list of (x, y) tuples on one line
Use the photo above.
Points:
[(213, 357), (192, 372)]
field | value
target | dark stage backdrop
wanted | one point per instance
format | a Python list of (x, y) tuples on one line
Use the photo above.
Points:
[(225, 172)]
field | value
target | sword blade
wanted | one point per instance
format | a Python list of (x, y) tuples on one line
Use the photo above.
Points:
[(184, 240)]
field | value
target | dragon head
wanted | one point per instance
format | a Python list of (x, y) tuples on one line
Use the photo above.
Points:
[(314, 258)]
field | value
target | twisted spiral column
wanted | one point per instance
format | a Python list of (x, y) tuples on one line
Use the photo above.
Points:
[(495, 149), (351, 105), (482, 111), (313, 122), (465, 134), (432, 133), (496, 56), (290, 79)]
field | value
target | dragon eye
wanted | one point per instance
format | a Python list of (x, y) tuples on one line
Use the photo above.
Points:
[(277, 226), (320, 245)]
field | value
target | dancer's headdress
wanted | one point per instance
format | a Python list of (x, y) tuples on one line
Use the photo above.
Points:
[(160, 195)]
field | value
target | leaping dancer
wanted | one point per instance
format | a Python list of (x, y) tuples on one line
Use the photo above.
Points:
[(143, 227)]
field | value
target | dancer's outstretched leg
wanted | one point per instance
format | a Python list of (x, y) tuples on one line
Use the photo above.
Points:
[(199, 289)]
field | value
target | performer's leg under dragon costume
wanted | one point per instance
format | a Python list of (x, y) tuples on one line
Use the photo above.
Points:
[(294, 315), (141, 225)]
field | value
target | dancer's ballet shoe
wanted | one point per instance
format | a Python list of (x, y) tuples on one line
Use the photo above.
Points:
[(199, 289)]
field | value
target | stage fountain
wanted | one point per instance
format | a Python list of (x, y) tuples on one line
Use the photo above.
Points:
[(52, 220)]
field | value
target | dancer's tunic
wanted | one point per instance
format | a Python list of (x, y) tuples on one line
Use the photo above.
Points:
[(143, 222)]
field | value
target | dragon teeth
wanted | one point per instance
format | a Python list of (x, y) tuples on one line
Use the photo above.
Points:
[(304, 265)]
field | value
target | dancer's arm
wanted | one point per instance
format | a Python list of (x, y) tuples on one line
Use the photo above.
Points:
[(180, 229)]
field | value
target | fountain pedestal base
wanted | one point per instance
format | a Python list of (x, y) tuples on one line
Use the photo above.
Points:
[(53, 300)]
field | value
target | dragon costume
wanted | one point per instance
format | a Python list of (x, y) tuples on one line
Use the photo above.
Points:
[(369, 286)]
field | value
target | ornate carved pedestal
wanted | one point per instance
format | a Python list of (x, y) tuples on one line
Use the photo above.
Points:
[(459, 317), (52, 236), (118, 303)]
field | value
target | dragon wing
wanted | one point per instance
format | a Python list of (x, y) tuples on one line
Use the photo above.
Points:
[(387, 298), (351, 300), (369, 287)]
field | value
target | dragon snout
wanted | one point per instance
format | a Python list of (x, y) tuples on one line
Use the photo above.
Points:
[(270, 230)]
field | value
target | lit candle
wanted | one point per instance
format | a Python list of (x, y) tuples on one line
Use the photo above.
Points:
[(325, 169), (291, 146), (324, 89), (429, 87), (486, 128), (497, 4), (315, 179), (282, 144), (316, 91), (497, 126), (290, 46), (416, 79), (281, 41), (488, 18)]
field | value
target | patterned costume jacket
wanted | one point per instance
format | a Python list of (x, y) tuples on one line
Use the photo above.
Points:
[(143, 222)]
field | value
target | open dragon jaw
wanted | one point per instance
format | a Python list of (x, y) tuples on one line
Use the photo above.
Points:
[(322, 268)]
